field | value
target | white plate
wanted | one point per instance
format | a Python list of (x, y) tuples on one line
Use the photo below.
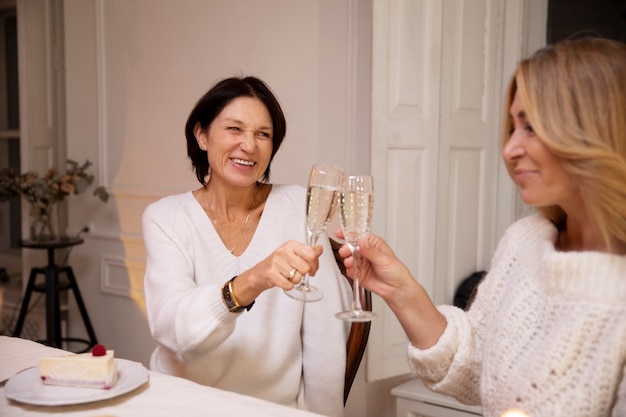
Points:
[(27, 387)]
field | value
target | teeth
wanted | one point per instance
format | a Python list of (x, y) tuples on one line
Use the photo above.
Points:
[(242, 162)]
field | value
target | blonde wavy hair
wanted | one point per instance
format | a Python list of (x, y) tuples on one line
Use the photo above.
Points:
[(574, 96)]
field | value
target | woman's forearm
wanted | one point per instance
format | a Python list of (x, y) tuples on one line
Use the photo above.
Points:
[(420, 319)]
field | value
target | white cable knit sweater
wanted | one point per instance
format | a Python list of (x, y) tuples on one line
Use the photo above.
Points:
[(282, 350), (546, 333)]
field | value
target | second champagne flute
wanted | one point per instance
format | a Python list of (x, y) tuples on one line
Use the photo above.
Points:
[(325, 183), (357, 207)]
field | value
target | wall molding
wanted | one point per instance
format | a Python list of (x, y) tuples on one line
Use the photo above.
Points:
[(122, 276)]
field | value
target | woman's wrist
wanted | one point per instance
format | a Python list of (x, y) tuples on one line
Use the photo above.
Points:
[(417, 314)]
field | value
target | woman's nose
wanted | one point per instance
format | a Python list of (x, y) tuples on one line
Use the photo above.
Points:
[(247, 141), (513, 149)]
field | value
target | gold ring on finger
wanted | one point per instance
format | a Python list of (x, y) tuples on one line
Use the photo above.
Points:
[(292, 274)]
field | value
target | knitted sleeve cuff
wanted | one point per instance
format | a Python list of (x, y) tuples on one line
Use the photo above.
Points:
[(432, 364), (194, 338)]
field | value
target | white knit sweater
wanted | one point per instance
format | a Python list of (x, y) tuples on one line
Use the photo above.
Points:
[(546, 333), (282, 350)]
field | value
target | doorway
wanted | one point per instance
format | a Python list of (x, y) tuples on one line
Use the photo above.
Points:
[(10, 207)]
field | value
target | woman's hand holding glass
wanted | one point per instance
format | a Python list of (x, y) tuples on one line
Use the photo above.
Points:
[(328, 187), (323, 191), (356, 207)]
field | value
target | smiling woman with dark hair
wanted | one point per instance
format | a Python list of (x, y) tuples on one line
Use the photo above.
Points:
[(219, 258), (214, 101)]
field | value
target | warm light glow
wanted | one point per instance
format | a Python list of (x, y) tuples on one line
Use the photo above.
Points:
[(514, 413)]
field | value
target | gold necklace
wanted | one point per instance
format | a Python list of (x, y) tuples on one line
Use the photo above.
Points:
[(243, 228), (219, 232)]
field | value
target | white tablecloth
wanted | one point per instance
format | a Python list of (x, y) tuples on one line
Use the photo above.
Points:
[(162, 395)]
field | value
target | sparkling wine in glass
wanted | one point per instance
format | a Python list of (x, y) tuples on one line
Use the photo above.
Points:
[(323, 191), (356, 207)]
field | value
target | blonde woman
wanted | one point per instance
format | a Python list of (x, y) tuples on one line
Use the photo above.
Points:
[(546, 332)]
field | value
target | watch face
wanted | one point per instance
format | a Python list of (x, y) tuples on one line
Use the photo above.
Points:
[(228, 300), (230, 303)]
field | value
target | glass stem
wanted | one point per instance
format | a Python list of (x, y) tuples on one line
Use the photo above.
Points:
[(304, 284), (313, 237), (356, 305)]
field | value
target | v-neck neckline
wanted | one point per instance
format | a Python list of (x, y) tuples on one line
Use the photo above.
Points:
[(259, 225)]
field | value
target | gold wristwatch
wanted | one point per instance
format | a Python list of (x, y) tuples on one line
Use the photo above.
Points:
[(229, 299)]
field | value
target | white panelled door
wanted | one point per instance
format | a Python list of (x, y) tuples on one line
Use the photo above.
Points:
[(406, 84), (438, 77)]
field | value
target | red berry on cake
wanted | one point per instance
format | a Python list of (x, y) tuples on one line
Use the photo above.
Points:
[(99, 350)]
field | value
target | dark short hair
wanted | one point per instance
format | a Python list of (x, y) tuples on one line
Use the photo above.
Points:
[(213, 102)]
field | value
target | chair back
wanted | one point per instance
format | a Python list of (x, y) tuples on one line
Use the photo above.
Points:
[(359, 331)]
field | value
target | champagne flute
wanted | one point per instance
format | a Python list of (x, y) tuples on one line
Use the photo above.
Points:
[(323, 191), (357, 206)]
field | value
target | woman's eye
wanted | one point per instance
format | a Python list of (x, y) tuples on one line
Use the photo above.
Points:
[(234, 128), (264, 135), (528, 128)]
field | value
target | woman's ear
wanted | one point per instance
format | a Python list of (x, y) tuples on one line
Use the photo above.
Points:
[(200, 135)]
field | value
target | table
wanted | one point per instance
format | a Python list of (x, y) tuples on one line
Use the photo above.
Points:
[(52, 286), (161, 396)]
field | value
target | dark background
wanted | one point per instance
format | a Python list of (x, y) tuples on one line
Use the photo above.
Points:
[(606, 18)]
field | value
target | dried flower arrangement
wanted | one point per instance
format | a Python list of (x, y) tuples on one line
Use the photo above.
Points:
[(44, 192)]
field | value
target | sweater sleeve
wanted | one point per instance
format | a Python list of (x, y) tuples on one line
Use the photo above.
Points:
[(172, 294), (453, 365)]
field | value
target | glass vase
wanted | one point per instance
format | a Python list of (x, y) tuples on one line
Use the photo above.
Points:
[(41, 229)]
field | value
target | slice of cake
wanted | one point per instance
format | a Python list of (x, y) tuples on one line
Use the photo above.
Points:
[(95, 369)]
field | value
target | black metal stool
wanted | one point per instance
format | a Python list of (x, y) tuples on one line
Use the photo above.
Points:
[(52, 286)]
